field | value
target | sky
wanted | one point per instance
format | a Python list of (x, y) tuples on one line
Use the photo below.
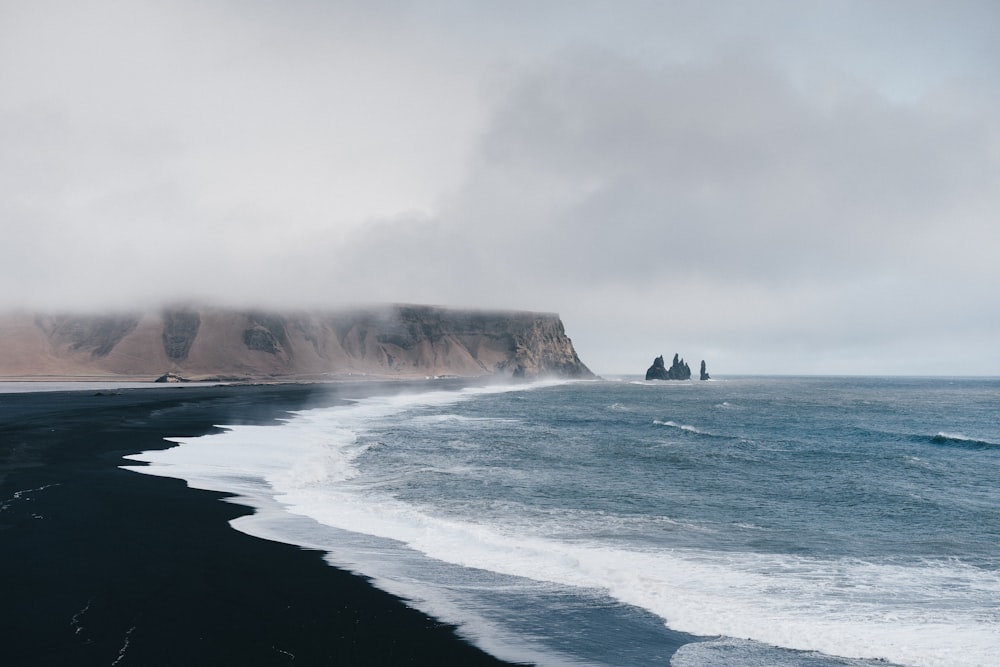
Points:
[(773, 186)]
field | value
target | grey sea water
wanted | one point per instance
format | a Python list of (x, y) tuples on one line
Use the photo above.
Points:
[(751, 521)]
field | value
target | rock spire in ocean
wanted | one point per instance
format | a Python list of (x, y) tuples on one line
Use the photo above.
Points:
[(679, 370)]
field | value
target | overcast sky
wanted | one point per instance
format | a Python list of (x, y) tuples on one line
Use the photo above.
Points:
[(773, 186)]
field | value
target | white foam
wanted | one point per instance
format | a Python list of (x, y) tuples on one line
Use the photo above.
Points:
[(961, 437), (903, 613), (727, 651), (916, 613), (462, 419), (673, 424)]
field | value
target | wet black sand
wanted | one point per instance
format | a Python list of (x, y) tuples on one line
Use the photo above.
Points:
[(103, 566)]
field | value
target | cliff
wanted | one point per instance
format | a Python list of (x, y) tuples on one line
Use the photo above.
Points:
[(213, 343)]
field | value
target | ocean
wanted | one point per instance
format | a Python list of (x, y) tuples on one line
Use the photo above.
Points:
[(802, 521)]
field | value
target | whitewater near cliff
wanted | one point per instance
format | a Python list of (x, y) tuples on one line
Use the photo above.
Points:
[(754, 521)]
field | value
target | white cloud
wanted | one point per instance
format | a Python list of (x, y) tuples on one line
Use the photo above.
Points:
[(723, 198)]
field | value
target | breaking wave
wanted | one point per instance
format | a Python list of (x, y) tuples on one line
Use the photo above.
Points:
[(957, 439)]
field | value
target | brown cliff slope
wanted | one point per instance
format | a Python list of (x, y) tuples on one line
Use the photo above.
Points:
[(203, 343)]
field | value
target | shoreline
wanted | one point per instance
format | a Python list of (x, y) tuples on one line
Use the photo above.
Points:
[(105, 566)]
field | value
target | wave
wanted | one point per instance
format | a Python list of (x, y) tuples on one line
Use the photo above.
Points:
[(727, 651), (943, 438), (693, 430), (922, 613), (663, 383), (462, 419), (839, 607), (957, 439), (682, 427)]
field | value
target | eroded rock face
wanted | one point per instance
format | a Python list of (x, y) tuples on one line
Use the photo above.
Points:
[(96, 334), (180, 328), (197, 343), (461, 342), (266, 333), (704, 372)]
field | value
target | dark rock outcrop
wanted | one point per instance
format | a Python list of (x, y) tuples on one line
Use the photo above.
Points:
[(266, 333), (704, 372), (658, 371), (96, 334), (180, 328), (679, 370)]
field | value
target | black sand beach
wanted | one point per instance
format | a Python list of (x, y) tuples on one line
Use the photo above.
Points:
[(103, 566)]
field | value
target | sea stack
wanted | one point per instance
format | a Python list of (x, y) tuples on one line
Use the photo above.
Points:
[(658, 371), (679, 370), (704, 372)]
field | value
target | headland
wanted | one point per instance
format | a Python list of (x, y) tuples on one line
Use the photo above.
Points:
[(202, 343)]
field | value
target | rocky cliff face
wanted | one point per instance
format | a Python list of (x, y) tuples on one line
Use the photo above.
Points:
[(199, 343)]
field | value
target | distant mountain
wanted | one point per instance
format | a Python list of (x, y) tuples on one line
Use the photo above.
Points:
[(200, 343)]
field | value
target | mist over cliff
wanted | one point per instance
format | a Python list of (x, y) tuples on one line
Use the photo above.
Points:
[(200, 342)]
